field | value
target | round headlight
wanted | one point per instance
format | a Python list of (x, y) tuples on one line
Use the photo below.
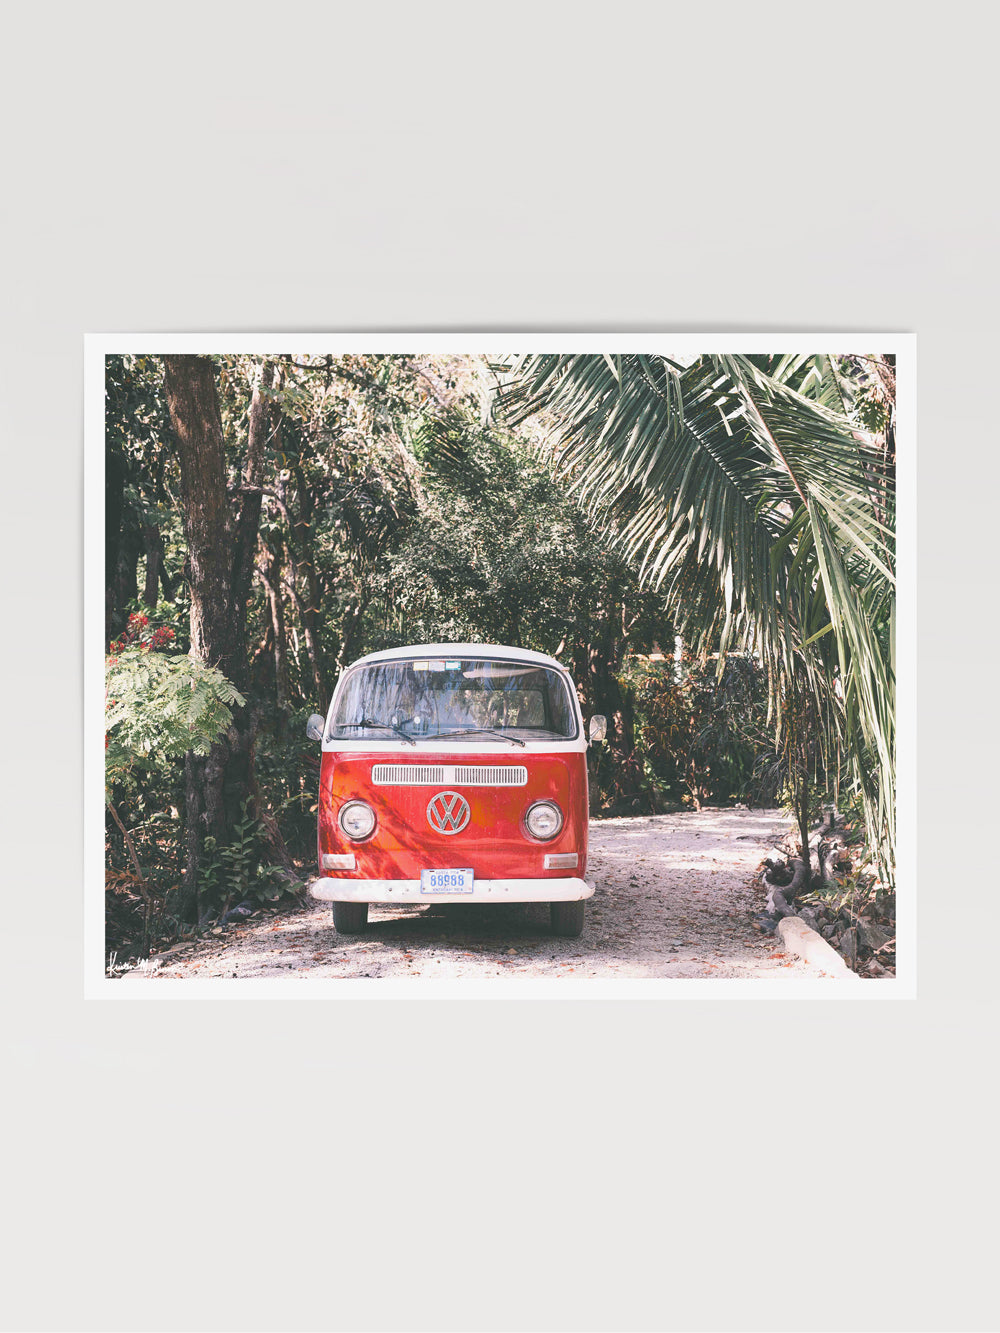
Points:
[(357, 819), (543, 820)]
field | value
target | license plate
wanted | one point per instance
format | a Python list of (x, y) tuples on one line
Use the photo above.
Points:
[(446, 881)]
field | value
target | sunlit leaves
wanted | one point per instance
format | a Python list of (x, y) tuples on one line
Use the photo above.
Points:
[(742, 486), (160, 705)]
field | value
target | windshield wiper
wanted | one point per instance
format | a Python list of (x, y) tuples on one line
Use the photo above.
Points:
[(481, 731), (370, 722)]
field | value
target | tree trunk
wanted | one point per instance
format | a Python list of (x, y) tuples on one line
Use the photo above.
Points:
[(153, 543), (125, 583), (307, 578), (351, 631), (208, 524), (262, 425), (114, 499), (605, 696), (220, 560), (272, 585), (802, 815)]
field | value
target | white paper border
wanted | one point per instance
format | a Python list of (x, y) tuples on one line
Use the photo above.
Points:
[(97, 986)]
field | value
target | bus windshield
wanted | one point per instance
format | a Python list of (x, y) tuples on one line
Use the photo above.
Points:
[(467, 699)]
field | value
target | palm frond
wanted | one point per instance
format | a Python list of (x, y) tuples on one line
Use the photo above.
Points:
[(742, 489)]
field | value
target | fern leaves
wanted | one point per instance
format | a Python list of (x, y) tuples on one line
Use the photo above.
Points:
[(158, 706)]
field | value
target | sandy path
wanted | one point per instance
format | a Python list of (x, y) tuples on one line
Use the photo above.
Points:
[(674, 899)]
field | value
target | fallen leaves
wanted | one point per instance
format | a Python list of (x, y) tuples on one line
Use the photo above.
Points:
[(669, 907)]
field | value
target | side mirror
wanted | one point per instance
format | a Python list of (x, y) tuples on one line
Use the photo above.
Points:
[(314, 727), (598, 729)]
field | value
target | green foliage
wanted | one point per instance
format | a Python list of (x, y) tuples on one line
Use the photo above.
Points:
[(239, 871), (853, 898), (287, 776), (499, 554), (694, 727), (142, 484), (239, 857), (726, 496), (209, 874), (740, 484), (870, 409), (158, 706), (340, 491)]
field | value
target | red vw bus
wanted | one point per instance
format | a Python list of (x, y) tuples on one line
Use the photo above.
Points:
[(453, 772)]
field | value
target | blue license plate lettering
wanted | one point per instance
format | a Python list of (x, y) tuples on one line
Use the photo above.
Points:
[(446, 881)]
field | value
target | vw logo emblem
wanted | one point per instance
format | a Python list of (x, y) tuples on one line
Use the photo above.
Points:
[(448, 812)]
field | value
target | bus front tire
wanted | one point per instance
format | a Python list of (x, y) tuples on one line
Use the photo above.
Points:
[(350, 918), (567, 918)]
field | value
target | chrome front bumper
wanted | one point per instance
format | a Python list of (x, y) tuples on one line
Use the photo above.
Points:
[(484, 891)]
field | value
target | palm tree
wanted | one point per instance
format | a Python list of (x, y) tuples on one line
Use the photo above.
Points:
[(744, 489)]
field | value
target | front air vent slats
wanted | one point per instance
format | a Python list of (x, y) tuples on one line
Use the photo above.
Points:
[(459, 775), (490, 775), (407, 775)]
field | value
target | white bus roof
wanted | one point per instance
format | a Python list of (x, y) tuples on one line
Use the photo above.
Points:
[(490, 650)]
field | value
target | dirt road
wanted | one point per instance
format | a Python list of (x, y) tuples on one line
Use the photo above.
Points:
[(674, 898)]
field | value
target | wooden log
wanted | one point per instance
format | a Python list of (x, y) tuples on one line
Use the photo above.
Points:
[(826, 856), (779, 896)]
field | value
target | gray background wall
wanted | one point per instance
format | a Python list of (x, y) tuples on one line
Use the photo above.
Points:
[(650, 167)]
